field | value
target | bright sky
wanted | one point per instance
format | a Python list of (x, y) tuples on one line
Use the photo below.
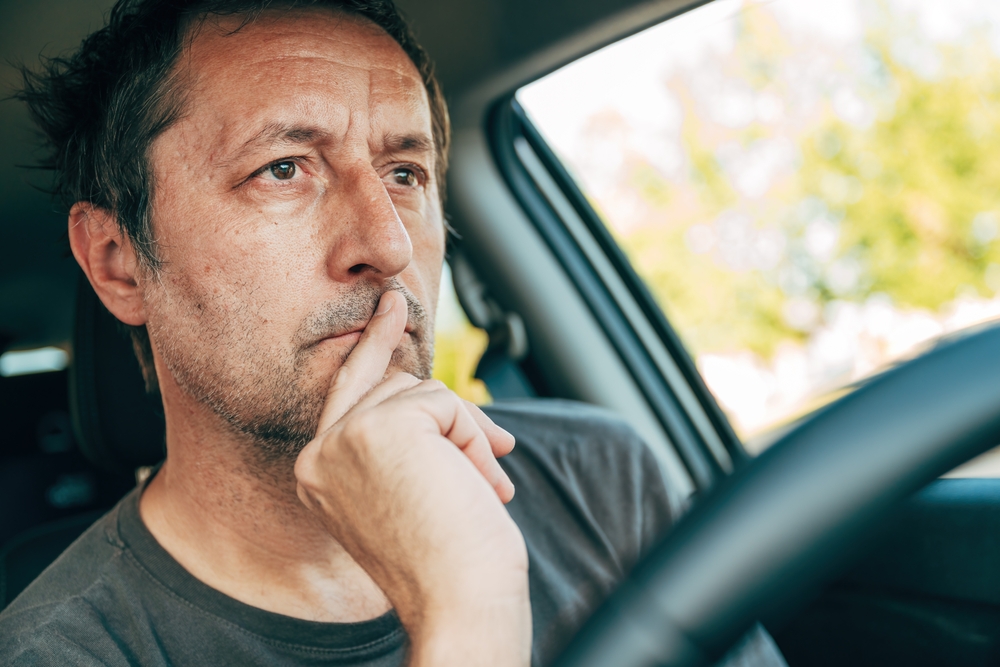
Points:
[(629, 75)]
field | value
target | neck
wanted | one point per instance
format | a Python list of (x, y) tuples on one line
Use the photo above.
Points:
[(247, 535)]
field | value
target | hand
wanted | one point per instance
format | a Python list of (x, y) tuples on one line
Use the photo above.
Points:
[(404, 475)]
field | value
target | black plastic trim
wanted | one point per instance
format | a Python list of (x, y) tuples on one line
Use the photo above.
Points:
[(636, 286), (505, 124)]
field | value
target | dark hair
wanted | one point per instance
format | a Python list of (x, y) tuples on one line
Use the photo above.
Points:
[(101, 108)]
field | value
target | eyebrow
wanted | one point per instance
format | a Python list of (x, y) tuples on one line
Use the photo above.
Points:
[(279, 133), (299, 135), (407, 143)]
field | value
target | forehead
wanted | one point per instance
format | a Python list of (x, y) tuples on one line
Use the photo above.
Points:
[(316, 63)]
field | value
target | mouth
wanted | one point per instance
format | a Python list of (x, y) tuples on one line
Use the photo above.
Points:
[(343, 323), (354, 335)]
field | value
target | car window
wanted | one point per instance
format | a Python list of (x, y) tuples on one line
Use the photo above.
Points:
[(808, 187), (458, 346)]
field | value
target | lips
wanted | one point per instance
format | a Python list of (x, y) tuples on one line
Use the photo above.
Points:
[(408, 329), (351, 313)]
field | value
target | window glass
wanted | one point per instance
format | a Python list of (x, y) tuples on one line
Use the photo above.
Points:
[(808, 187), (457, 346), (39, 360)]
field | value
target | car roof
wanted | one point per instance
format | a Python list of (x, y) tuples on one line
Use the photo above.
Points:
[(481, 48)]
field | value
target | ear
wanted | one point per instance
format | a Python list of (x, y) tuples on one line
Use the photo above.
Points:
[(108, 259)]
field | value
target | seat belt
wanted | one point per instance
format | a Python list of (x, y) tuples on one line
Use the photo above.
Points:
[(499, 367)]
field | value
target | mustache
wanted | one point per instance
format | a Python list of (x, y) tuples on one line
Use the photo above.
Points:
[(356, 308)]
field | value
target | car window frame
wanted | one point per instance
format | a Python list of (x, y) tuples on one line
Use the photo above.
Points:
[(619, 300)]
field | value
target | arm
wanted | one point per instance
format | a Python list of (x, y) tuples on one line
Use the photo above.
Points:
[(404, 475)]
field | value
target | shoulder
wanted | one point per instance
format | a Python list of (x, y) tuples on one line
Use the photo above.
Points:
[(590, 499), (580, 439), (560, 416), (589, 470), (587, 466), (61, 615), (64, 632), (588, 448)]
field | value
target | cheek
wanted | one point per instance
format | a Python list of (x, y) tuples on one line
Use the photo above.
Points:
[(426, 228), (219, 249), (428, 243), (237, 282), (425, 270)]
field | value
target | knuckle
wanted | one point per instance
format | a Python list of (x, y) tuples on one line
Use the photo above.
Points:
[(305, 469), (402, 379), (359, 426), (304, 496), (435, 384), (436, 389)]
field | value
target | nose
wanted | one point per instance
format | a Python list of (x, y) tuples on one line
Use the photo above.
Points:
[(370, 238)]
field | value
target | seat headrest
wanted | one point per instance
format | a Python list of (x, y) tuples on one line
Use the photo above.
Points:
[(118, 425)]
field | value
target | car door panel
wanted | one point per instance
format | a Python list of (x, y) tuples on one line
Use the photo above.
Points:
[(928, 593)]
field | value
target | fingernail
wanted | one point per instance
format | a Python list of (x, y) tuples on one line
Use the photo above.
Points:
[(384, 305)]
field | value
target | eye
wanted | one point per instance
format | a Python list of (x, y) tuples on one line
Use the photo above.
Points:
[(405, 176), (282, 171)]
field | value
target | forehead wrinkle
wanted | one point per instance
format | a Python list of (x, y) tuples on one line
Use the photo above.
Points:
[(276, 133), (362, 108), (394, 139), (392, 144), (272, 27), (256, 67), (212, 67)]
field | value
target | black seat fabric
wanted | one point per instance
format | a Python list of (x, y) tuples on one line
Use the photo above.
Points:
[(118, 424)]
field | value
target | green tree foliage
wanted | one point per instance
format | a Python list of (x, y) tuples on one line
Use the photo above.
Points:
[(918, 189), (904, 192)]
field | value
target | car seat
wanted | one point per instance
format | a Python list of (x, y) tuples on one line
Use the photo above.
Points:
[(118, 426)]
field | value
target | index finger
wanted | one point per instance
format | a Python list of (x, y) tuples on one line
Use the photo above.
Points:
[(501, 440), (366, 365)]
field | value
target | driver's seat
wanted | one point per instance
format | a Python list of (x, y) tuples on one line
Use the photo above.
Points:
[(118, 427)]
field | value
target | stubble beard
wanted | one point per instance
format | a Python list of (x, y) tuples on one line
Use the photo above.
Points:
[(274, 405)]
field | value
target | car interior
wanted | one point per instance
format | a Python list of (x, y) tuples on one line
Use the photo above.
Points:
[(870, 573)]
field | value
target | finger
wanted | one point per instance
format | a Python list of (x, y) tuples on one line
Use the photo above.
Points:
[(458, 425), (395, 384), (392, 386), (481, 452), (501, 441), (366, 365)]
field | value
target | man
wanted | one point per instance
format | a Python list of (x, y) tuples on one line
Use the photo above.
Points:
[(255, 189)]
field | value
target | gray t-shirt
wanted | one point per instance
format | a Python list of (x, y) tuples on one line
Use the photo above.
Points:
[(590, 500)]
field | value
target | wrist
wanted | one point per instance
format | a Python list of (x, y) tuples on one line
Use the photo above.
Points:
[(485, 631)]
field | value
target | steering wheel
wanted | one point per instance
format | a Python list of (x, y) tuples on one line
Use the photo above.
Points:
[(783, 523)]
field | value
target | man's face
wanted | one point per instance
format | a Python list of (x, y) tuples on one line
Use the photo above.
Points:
[(296, 189)]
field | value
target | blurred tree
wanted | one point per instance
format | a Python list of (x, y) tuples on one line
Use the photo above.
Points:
[(918, 190), (891, 186), (457, 350)]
